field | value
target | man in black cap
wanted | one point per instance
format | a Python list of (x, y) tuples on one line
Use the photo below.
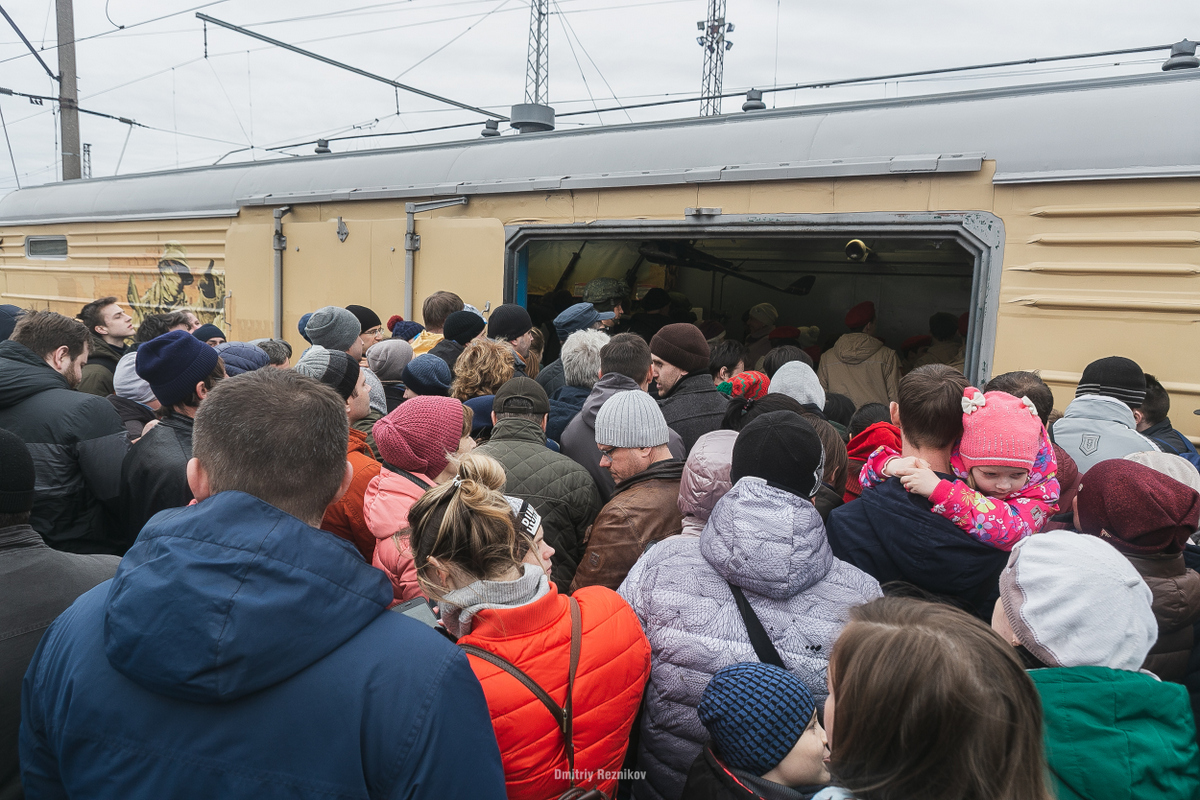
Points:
[(1102, 421), (36, 585), (510, 323), (457, 332), (370, 326), (561, 490)]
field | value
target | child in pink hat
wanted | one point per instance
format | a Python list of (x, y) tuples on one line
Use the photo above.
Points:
[(1006, 485)]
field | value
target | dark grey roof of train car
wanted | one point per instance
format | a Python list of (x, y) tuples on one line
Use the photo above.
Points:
[(1121, 127)]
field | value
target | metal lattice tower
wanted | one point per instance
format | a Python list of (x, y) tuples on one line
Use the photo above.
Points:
[(537, 64), (713, 40)]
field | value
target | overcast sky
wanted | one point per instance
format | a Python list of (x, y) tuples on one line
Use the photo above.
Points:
[(248, 93)]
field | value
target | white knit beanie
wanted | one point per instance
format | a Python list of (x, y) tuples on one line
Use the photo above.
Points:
[(631, 419), (1074, 601), (798, 381)]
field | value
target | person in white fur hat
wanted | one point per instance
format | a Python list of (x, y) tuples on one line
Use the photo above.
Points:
[(1080, 616)]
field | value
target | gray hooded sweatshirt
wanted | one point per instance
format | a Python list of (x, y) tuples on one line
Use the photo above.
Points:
[(1095, 428), (770, 543)]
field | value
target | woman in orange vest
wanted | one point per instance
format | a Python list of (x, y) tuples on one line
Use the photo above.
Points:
[(478, 554)]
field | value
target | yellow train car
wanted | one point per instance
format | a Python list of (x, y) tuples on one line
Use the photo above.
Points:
[(1064, 217)]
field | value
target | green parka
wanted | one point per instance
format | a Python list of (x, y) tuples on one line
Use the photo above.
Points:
[(1117, 735)]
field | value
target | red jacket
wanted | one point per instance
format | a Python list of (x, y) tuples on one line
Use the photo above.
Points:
[(345, 516), (614, 663), (881, 434)]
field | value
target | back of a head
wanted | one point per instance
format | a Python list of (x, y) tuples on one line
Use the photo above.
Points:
[(1157, 404), (1025, 384), (581, 357), (422, 434), (631, 419), (438, 306), (9, 314), (483, 367), (836, 460), (276, 435), (388, 359), (154, 325), (866, 416), (467, 526), (839, 408), (333, 328), (943, 326), (779, 356), (278, 351), (626, 354), (727, 354), (1138, 509), (742, 410), (798, 381), (43, 332), (930, 401), (930, 703)]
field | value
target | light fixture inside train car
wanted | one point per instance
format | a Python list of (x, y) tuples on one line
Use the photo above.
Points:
[(857, 250)]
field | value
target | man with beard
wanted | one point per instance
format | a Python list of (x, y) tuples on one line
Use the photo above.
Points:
[(76, 439)]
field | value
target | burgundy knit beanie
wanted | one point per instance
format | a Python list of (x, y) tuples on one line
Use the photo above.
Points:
[(1137, 509), (999, 430), (421, 434), (681, 345)]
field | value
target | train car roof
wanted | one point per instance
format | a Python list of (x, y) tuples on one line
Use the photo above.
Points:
[(1138, 126)]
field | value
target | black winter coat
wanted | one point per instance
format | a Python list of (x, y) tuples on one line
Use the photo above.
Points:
[(694, 407), (893, 535), (710, 779), (154, 474), (133, 414), (447, 350), (562, 491), (77, 442), (564, 405), (552, 377)]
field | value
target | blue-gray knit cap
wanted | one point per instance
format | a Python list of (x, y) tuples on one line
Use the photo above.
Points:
[(333, 328), (631, 419), (755, 714)]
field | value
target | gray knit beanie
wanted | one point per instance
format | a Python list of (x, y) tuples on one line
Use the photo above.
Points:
[(331, 367), (798, 381), (333, 328), (631, 419), (127, 384), (388, 359)]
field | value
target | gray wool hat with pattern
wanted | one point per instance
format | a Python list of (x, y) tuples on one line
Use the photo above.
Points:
[(631, 419), (333, 328)]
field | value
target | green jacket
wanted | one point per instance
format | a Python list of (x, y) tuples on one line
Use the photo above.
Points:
[(100, 366), (1113, 734)]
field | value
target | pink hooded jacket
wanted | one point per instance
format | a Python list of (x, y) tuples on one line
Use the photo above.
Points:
[(705, 479), (385, 508)]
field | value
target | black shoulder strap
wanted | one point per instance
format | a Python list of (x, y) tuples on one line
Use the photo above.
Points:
[(406, 474), (764, 648)]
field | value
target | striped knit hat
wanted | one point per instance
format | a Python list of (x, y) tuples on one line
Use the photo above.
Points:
[(750, 385), (1115, 377), (999, 430), (755, 714)]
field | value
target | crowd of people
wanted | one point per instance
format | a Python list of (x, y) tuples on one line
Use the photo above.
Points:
[(584, 553)]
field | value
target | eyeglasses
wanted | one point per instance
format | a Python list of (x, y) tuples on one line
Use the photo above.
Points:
[(375, 332), (607, 452)]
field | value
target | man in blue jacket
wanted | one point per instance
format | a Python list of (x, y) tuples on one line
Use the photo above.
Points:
[(893, 535), (241, 652)]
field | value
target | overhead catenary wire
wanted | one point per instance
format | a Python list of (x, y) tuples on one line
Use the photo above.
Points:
[(29, 45), (458, 36), (562, 17), (8, 142)]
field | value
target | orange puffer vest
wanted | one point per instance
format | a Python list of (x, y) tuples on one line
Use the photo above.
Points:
[(614, 664)]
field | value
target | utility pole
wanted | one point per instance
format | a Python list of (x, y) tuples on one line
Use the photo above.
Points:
[(713, 40), (68, 92)]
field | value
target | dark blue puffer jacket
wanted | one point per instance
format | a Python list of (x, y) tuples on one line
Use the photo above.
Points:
[(240, 653), (894, 536)]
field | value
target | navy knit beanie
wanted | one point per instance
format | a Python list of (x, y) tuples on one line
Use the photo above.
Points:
[(173, 364), (242, 357), (755, 714), (16, 475), (407, 330), (428, 375), (8, 319), (304, 318)]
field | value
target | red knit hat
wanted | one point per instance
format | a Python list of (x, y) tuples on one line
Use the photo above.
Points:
[(421, 434), (1137, 509), (881, 434), (750, 385), (999, 430), (860, 315), (392, 320)]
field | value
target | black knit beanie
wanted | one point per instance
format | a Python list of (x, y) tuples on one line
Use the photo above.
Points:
[(782, 449), (16, 475), (367, 319), (508, 322), (1116, 377), (463, 326)]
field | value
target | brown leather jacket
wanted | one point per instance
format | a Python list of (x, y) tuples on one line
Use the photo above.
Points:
[(643, 509), (1176, 606)]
